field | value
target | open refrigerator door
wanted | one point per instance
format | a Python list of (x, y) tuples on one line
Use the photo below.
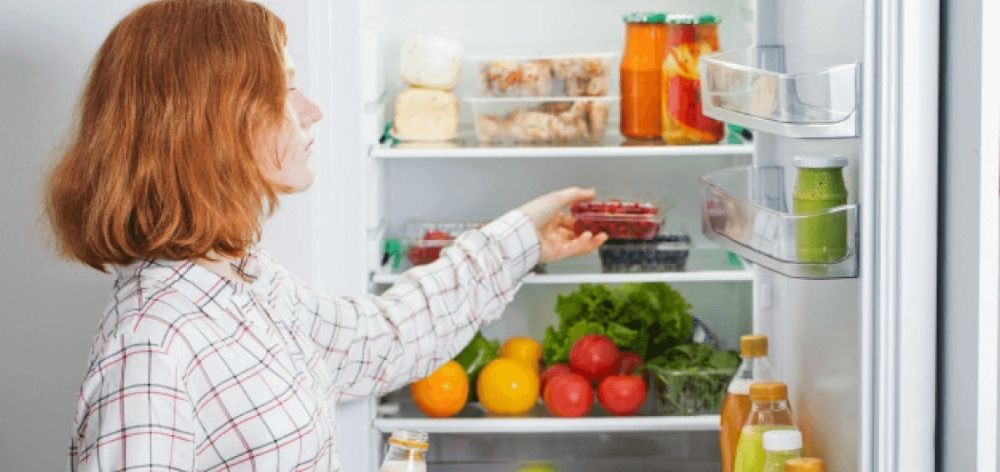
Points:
[(806, 77)]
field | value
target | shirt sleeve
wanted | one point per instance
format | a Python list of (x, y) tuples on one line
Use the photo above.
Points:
[(133, 413), (376, 344)]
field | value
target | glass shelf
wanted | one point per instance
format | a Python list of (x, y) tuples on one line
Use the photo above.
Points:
[(752, 88), (397, 411), (710, 264), (746, 209)]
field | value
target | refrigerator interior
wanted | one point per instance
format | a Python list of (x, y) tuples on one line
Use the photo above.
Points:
[(813, 324)]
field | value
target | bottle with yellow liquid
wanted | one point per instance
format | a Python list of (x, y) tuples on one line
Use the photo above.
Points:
[(779, 447), (770, 412), (736, 408), (804, 464)]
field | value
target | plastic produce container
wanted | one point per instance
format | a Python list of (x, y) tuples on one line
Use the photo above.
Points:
[(576, 75), (424, 241), (662, 253), (690, 392), (619, 219), (534, 120)]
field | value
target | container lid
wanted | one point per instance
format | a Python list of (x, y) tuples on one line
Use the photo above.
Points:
[(646, 17), (783, 440), (753, 345), (829, 161), (768, 392), (804, 464), (689, 19), (410, 439)]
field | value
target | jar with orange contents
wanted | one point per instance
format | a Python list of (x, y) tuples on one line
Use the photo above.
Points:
[(688, 38), (642, 61)]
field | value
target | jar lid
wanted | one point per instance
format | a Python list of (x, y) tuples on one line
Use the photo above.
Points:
[(410, 439), (828, 161), (804, 464), (783, 440), (646, 17), (753, 345), (690, 19), (768, 392)]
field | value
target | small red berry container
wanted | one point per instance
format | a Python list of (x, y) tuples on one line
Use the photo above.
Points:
[(425, 241), (631, 220)]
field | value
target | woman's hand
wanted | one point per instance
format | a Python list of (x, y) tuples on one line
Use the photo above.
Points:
[(555, 228)]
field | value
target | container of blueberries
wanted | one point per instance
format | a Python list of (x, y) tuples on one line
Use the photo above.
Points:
[(665, 252)]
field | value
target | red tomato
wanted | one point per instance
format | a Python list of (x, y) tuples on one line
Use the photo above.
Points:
[(552, 372), (569, 395), (622, 395), (594, 356), (627, 363)]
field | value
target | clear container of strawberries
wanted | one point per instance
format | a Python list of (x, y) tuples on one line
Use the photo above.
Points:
[(619, 219), (424, 241)]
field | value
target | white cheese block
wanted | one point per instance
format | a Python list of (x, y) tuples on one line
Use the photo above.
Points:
[(431, 61), (426, 115)]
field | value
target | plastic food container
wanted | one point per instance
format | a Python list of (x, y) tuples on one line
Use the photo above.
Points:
[(690, 392), (577, 75), (547, 120), (619, 219), (424, 241), (662, 253)]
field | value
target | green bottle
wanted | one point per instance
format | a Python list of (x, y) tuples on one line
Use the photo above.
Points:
[(819, 187)]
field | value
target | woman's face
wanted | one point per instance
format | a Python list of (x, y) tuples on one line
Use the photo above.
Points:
[(289, 169)]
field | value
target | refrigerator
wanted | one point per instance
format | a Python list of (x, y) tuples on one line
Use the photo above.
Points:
[(854, 78)]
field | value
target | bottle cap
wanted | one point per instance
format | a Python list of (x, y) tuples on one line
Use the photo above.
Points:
[(689, 19), (410, 439), (646, 17), (753, 345), (829, 161), (783, 440), (804, 464), (768, 392)]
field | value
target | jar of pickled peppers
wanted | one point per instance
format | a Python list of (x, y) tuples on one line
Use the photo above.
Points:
[(688, 38)]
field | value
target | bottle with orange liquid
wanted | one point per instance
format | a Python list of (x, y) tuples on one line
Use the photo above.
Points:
[(736, 408), (642, 61)]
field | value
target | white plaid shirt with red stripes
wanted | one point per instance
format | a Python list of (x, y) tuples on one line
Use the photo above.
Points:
[(192, 371)]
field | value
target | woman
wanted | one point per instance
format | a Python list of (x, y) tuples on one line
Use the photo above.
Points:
[(211, 356)]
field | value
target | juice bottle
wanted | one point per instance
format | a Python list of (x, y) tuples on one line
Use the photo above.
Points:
[(736, 407), (770, 412), (818, 187), (804, 464), (406, 452), (645, 46), (780, 447)]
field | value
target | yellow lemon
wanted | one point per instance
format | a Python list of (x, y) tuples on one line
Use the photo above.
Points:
[(507, 387)]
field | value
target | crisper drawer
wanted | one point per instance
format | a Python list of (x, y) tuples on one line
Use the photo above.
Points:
[(575, 452)]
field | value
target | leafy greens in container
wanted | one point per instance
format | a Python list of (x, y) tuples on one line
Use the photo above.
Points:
[(647, 319), (691, 379)]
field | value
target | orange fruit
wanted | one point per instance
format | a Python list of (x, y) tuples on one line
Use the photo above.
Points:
[(443, 393), (523, 349), (507, 387)]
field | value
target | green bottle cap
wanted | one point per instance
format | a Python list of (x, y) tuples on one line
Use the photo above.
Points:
[(646, 17), (690, 19)]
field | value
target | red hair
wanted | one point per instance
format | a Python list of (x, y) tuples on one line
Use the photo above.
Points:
[(164, 160)]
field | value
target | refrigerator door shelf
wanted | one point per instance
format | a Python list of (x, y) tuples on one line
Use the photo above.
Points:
[(752, 88), (746, 210)]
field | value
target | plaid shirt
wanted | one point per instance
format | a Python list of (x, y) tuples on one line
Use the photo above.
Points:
[(192, 371)]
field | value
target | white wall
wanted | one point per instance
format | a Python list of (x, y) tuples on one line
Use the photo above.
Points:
[(50, 307)]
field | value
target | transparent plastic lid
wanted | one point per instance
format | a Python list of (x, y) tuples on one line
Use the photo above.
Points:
[(410, 439)]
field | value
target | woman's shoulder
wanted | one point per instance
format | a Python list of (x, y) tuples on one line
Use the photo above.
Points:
[(157, 301)]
